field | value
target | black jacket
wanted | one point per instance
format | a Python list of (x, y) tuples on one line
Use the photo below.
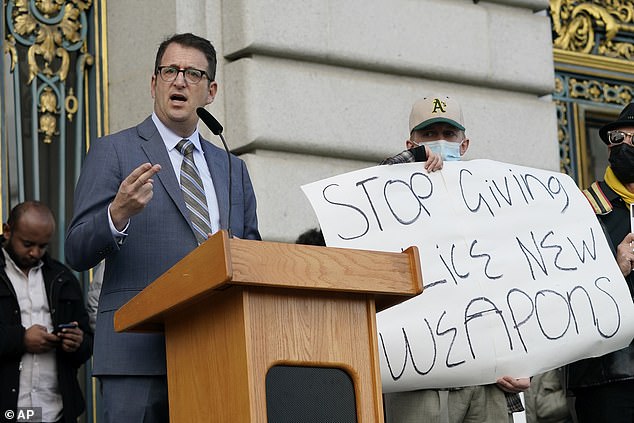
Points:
[(617, 365), (66, 303)]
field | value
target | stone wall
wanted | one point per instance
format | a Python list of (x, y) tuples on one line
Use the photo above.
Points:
[(311, 89)]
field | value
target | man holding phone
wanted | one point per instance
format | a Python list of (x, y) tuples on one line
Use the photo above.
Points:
[(44, 331)]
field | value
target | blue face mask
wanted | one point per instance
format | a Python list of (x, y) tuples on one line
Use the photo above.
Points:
[(449, 151)]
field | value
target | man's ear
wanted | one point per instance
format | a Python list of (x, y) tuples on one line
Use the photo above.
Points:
[(409, 144), (153, 86), (464, 146), (6, 231), (213, 90)]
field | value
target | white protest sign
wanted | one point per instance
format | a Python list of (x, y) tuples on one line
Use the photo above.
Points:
[(518, 275)]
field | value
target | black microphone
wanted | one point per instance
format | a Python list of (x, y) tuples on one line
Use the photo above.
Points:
[(211, 122), (215, 127)]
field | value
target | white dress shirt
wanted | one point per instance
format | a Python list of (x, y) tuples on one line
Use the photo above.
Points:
[(171, 139), (38, 372)]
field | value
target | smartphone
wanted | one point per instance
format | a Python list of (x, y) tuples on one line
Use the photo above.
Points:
[(65, 326)]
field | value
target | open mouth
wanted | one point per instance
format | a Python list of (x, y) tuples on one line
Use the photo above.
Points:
[(178, 98)]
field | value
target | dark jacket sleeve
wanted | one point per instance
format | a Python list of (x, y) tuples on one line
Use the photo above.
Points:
[(11, 330), (70, 307), (11, 341), (84, 352)]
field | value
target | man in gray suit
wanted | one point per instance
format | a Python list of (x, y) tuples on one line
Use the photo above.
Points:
[(130, 211)]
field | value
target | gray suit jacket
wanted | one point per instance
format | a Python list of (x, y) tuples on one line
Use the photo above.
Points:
[(158, 236)]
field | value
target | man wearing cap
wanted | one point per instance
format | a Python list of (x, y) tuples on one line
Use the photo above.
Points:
[(436, 123), (436, 128), (604, 386)]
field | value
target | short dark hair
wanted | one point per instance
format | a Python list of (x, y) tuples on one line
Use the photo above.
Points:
[(311, 237), (19, 210), (194, 41)]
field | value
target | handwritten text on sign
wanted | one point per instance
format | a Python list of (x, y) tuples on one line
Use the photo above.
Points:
[(518, 275)]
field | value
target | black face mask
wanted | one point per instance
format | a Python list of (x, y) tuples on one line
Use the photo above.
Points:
[(622, 162)]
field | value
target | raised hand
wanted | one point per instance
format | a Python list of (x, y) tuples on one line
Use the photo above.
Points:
[(625, 254), (135, 192), (434, 161)]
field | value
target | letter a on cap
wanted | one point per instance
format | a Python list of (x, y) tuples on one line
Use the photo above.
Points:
[(437, 108), (439, 105)]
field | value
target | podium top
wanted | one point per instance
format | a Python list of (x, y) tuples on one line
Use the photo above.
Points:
[(220, 262)]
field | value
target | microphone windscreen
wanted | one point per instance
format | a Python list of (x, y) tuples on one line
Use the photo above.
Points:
[(209, 120)]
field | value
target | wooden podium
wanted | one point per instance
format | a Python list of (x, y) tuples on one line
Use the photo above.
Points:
[(233, 309)]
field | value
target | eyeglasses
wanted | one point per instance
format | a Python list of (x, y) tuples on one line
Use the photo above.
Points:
[(191, 75), (618, 137)]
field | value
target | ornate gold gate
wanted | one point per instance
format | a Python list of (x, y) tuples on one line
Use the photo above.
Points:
[(53, 103), (53, 100), (593, 45)]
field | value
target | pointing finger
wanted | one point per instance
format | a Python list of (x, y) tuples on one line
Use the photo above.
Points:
[(136, 173), (147, 175), (142, 174)]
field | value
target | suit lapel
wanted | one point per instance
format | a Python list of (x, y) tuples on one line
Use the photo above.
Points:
[(156, 152), (218, 168)]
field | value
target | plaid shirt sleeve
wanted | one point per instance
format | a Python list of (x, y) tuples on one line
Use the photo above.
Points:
[(416, 154), (403, 157)]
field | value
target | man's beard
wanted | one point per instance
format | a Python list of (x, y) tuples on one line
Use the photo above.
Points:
[(22, 262)]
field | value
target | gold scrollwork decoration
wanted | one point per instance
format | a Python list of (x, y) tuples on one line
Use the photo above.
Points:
[(48, 127), (71, 104), (49, 7), (48, 109), (49, 37), (10, 49), (600, 92), (23, 22), (85, 59), (580, 26), (48, 101), (563, 136), (617, 50), (559, 85)]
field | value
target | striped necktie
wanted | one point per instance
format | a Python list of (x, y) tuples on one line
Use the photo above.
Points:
[(193, 191)]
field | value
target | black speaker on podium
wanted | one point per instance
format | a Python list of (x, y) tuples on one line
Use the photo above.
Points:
[(309, 395)]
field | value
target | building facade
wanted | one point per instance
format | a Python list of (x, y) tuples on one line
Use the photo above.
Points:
[(312, 88)]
